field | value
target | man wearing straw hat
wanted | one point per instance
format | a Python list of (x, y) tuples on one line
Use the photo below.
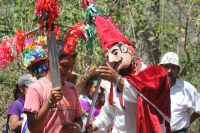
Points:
[(184, 96)]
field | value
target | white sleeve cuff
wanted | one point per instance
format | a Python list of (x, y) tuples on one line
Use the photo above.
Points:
[(103, 121)]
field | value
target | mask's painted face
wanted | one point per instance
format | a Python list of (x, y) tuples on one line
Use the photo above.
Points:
[(119, 56)]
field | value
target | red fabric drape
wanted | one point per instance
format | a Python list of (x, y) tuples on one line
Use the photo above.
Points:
[(111, 96), (153, 83)]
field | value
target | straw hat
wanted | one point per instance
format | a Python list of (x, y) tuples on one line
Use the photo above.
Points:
[(74, 73), (82, 81)]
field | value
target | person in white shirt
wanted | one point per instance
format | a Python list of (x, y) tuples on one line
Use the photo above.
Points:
[(184, 96), (137, 96)]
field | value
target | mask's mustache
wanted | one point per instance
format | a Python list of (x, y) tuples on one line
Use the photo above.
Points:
[(117, 62)]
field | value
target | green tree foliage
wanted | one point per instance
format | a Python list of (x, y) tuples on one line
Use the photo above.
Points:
[(155, 27)]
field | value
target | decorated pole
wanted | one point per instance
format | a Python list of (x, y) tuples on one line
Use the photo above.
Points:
[(91, 12)]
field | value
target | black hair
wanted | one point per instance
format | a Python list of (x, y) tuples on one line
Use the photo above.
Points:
[(61, 54), (17, 93), (92, 80), (39, 67)]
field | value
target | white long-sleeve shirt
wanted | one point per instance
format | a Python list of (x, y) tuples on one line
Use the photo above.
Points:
[(184, 97), (124, 119), (130, 93)]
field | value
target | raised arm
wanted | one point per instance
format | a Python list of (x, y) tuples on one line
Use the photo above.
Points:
[(37, 116)]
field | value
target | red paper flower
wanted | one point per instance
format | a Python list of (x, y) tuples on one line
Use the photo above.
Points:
[(73, 35), (57, 29), (11, 47), (47, 10)]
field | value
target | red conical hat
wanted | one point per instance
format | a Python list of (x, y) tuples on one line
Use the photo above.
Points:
[(108, 34)]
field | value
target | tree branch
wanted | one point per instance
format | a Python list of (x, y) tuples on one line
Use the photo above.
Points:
[(185, 43), (130, 15), (162, 32)]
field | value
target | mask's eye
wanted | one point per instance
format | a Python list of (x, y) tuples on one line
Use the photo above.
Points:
[(124, 49), (115, 53)]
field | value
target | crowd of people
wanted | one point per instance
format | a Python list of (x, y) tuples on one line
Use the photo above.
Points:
[(133, 97)]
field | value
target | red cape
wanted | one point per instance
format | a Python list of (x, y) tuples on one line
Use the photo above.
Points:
[(153, 83)]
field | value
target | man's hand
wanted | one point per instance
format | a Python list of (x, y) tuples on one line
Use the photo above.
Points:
[(193, 117), (107, 73), (90, 128), (71, 128), (56, 95)]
